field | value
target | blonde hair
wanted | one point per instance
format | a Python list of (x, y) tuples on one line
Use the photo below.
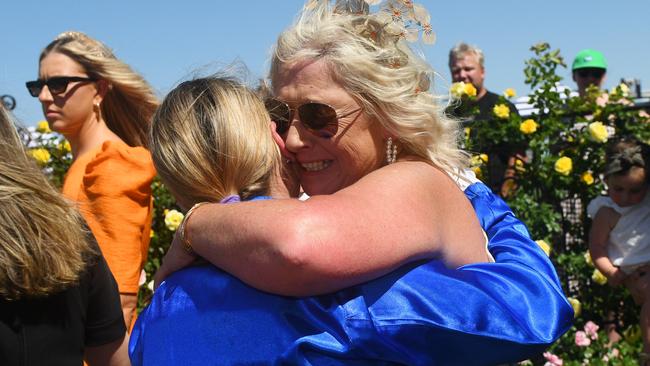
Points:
[(379, 71), (461, 49), (210, 138), (43, 248), (130, 101)]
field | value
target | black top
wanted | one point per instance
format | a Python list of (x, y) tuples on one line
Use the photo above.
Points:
[(54, 330), (498, 153)]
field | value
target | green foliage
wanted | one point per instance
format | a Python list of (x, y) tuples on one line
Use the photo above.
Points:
[(551, 197)]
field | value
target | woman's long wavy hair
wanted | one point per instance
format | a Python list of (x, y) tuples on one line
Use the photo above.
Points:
[(381, 72), (130, 101), (43, 245), (211, 138)]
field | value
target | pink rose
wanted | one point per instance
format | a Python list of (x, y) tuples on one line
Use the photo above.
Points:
[(592, 330), (581, 339), (552, 360)]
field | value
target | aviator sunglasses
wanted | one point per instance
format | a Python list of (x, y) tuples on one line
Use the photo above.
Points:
[(56, 85), (318, 118)]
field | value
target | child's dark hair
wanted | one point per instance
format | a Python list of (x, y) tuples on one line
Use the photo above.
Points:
[(624, 153)]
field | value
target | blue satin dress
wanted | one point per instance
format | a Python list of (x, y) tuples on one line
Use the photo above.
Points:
[(420, 314)]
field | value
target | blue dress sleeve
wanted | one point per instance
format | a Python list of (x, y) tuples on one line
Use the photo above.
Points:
[(480, 314), (420, 314)]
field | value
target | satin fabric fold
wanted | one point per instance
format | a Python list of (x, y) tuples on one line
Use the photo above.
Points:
[(420, 314)]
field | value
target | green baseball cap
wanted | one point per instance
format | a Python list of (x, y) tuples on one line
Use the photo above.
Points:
[(589, 58)]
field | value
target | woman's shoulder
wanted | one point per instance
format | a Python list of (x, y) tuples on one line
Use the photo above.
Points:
[(118, 153), (117, 158), (116, 166)]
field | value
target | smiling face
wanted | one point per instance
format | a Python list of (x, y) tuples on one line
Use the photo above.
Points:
[(67, 112), (327, 165), (628, 189)]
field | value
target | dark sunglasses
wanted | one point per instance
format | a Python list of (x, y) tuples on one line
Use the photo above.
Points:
[(56, 85), (319, 118), (594, 73)]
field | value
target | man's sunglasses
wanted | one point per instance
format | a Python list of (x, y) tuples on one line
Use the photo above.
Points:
[(594, 73), (56, 85), (319, 118)]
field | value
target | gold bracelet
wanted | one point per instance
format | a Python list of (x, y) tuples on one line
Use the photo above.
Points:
[(185, 240)]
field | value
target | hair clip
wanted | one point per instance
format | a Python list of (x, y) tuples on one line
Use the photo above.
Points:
[(401, 18)]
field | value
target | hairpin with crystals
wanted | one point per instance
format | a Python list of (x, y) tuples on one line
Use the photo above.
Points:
[(401, 18)]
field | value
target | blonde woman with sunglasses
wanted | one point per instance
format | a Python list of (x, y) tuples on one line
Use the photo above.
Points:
[(390, 204), (59, 302), (103, 109)]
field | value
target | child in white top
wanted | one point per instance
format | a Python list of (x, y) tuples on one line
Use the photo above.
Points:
[(619, 241)]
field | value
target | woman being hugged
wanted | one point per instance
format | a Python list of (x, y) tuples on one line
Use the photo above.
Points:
[(58, 300), (103, 108)]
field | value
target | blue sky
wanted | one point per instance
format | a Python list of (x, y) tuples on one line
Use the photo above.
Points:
[(167, 41)]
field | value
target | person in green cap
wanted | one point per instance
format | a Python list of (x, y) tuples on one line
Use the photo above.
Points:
[(589, 68)]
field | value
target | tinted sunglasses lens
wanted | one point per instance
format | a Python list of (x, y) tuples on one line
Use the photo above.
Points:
[(34, 87), (57, 85), (280, 114), (318, 116)]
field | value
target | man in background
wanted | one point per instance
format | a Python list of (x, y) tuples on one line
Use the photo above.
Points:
[(466, 64), (589, 68)]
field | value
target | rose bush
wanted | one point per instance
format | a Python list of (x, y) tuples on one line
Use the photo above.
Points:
[(565, 138)]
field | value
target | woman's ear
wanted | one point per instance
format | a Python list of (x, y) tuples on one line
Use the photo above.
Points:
[(280, 142), (102, 89)]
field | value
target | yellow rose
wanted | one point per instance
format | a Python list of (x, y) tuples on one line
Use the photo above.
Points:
[(41, 155), (64, 146), (467, 132), (564, 165), (173, 219), (476, 160), (462, 89), (544, 245), (477, 171), (528, 126), (484, 157), (43, 127), (622, 88), (519, 165), (598, 131), (151, 233), (576, 305), (501, 110), (598, 277), (457, 90), (587, 178), (470, 90), (509, 93), (588, 260)]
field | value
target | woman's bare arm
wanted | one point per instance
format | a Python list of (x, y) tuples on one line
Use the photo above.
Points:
[(400, 213), (110, 354)]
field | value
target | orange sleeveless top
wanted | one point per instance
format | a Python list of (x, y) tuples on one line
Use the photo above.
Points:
[(112, 187)]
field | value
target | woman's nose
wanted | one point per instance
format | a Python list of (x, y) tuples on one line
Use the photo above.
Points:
[(297, 137), (45, 95)]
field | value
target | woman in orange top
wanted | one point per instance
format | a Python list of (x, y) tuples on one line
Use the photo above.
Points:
[(103, 108)]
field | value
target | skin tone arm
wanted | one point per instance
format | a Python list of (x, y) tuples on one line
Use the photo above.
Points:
[(389, 217), (129, 303), (603, 223), (111, 354)]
